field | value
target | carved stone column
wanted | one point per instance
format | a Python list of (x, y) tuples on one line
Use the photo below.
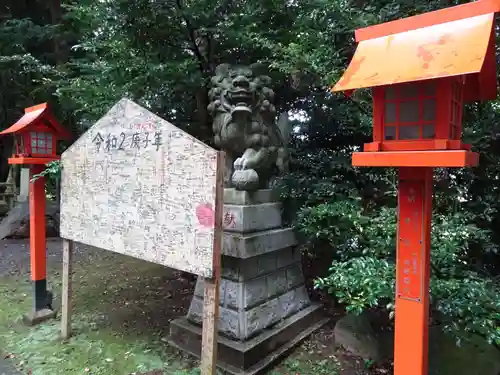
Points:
[(264, 305)]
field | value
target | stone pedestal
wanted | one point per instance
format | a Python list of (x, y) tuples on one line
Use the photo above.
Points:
[(24, 185), (264, 306)]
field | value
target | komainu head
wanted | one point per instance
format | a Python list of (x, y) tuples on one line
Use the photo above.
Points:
[(244, 124)]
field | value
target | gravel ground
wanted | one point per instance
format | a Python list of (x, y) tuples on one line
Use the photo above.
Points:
[(15, 257), (7, 369)]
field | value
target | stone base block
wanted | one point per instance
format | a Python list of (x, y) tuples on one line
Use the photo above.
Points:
[(251, 218), (249, 245), (241, 197), (253, 356), (37, 317)]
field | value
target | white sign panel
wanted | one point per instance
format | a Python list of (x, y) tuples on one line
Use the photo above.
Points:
[(137, 185)]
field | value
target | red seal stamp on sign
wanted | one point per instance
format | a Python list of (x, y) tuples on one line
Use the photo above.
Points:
[(205, 215)]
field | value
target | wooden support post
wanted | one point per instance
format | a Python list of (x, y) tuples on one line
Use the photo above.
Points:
[(413, 271), (211, 294), (67, 289)]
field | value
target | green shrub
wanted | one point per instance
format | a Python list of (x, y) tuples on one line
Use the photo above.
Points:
[(352, 214)]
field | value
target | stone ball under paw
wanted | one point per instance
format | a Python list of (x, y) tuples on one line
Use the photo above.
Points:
[(246, 179)]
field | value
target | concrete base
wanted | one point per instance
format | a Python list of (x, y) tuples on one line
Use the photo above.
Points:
[(253, 356), (37, 317)]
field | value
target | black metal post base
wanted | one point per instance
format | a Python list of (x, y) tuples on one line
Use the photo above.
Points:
[(42, 304)]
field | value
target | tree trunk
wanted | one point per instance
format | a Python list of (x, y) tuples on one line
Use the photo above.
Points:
[(202, 116), (5, 153), (60, 51)]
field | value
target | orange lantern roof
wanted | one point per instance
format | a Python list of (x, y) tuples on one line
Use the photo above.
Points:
[(449, 42), (32, 115)]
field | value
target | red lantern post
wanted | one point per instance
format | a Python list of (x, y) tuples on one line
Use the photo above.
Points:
[(35, 139), (421, 70)]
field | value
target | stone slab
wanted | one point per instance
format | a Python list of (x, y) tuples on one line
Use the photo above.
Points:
[(39, 316), (249, 245), (236, 295), (17, 222), (24, 185), (240, 324), (241, 197), (251, 218), (239, 269), (251, 357)]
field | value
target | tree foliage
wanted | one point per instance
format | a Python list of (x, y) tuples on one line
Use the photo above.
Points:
[(83, 56)]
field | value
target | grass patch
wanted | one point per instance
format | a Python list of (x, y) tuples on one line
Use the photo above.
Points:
[(121, 314), (302, 362), (114, 333)]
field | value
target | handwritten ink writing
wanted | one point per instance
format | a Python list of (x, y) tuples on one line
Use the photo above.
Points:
[(145, 126), (157, 140), (410, 266), (176, 134), (146, 140), (98, 139), (411, 196), (122, 140), (111, 141), (229, 220), (137, 140)]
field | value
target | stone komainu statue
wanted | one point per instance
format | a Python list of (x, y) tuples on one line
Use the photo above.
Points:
[(245, 127)]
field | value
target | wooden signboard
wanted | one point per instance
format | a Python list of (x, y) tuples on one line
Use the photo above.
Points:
[(137, 185)]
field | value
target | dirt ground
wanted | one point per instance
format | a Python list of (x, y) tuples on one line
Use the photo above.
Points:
[(122, 310)]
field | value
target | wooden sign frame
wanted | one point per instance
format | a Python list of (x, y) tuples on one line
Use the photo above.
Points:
[(211, 294)]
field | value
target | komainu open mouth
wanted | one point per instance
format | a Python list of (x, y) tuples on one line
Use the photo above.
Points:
[(240, 96)]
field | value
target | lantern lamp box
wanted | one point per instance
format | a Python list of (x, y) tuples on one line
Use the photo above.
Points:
[(422, 70), (35, 136), (137, 185)]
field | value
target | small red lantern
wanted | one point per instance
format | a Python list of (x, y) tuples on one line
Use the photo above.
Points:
[(35, 136)]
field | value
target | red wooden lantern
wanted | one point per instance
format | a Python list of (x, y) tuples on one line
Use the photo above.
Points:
[(421, 70), (35, 136), (413, 117)]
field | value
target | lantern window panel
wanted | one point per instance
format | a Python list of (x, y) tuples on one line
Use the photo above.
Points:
[(456, 110), (429, 110), (409, 132), (429, 131), (410, 111), (429, 89), (409, 91), (391, 93), (390, 133), (41, 143), (391, 113)]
